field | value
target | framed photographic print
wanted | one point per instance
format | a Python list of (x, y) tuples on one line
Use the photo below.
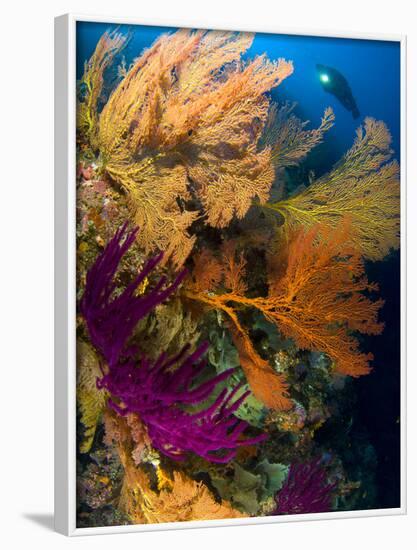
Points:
[(230, 291)]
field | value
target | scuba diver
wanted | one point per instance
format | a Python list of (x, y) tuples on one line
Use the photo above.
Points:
[(335, 83)]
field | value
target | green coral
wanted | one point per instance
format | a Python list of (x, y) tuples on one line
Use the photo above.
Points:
[(248, 490), (223, 355), (273, 476)]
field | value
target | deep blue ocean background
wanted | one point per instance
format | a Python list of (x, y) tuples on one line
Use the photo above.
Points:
[(372, 69)]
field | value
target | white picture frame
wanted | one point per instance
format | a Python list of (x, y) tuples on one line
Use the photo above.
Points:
[(65, 291)]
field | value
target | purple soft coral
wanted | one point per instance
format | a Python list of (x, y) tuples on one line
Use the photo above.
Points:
[(306, 490), (158, 392), (111, 320)]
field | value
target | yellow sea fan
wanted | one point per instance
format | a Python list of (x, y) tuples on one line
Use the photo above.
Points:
[(172, 328), (92, 81), (178, 498), (190, 500), (288, 137), (183, 499), (228, 192), (153, 202), (361, 187), (91, 401)]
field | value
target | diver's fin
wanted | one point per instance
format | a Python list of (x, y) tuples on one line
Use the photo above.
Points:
[(355, 112)]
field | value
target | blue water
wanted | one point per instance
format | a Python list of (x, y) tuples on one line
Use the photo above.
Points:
[(372, 69)]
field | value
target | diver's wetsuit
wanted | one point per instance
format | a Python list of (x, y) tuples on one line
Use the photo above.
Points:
[(335, 83)]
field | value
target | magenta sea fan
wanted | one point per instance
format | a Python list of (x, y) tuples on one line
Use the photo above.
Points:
[(306, 490), (181, 415)]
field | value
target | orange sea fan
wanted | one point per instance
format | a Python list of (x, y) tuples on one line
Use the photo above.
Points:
[(267, 385), (207, 272), (319, 298), (184, 123), (315, 297)]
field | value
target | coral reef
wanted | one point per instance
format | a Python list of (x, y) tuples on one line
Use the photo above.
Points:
[(155, 391), (178, 497), (268, 386), (188, 110), (317, 299)]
